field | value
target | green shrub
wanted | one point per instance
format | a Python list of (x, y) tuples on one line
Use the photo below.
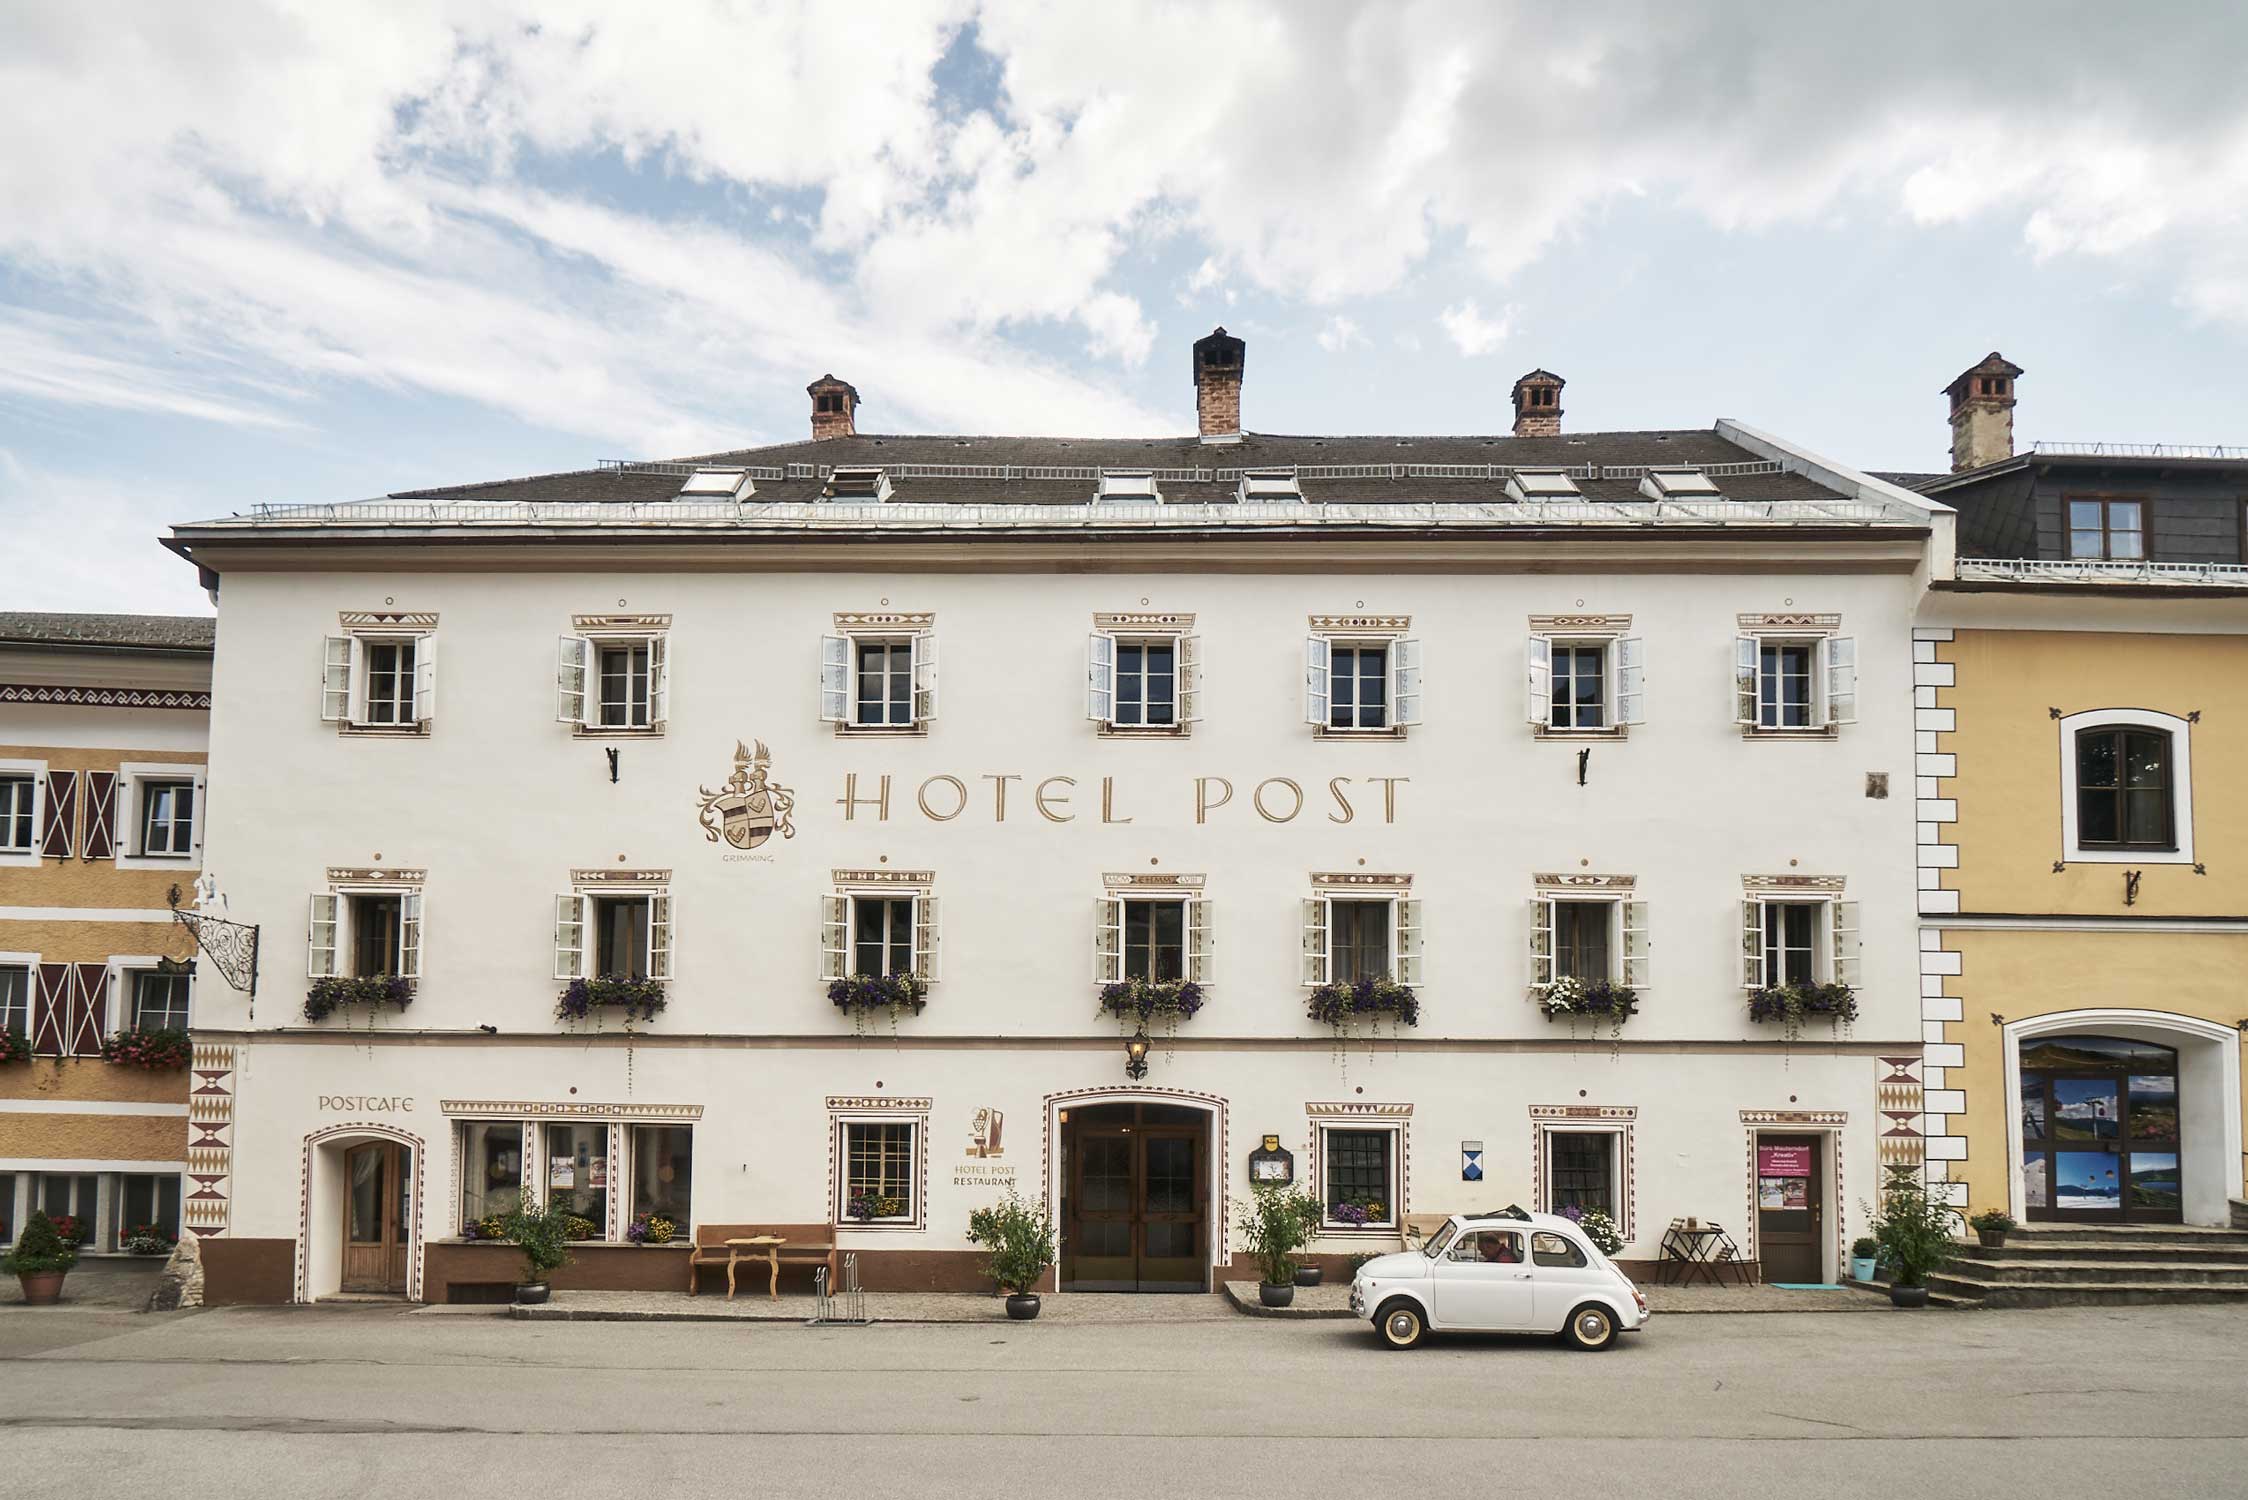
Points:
[(1018, 1241), (40, 1248), (1275, 1224), (543, 1235)]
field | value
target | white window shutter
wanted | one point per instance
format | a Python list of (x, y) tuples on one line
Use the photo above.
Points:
[(1407, 915), (1745, 653), (1108, 941), (410, 935), (321, 938), (1315, 963), (425, 680), (659, 681), (924, 679), (1319, 676), (1752, 945), (1635, 958), (573, 658), (1190, 679), (1839, 653), (925, 937), (335, 679), (1541, 940), (1100, 678), (1631, 680), (1405, 682), (1846, 966), (1540, 652), (659, 937), (835, 679), (569, 936), (1198, 939), (835, 937)]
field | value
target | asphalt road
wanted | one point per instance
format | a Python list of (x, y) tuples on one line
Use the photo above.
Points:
[(345, 1403)]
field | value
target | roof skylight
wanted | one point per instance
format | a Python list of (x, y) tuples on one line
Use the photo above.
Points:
[(1679, 484), (1541, 484), (1271, 484), (718, 484), (857, 482), (1128, 484)]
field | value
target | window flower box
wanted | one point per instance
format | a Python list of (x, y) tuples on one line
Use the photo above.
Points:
[(865, 1208), (157, 1049), (639, 999), (1793, 1004), (650, 1229), (863, 994), (1141, 1000), (1375, 999), (13, 1048), (1601, 1001), (330, 994), (147, 1239), (490, 1227)]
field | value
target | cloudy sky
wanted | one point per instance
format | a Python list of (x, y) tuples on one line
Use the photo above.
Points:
[(262, 251)]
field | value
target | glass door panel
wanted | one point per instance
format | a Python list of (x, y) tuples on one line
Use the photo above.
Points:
[(1170, 1214)]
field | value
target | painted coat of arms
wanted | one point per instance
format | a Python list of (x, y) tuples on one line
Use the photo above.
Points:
[(748, 809)]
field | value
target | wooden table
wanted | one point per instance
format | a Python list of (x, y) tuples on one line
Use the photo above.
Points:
[(771, 1245)]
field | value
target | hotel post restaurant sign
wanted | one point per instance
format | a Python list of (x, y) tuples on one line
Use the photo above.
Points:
[(997, 797)]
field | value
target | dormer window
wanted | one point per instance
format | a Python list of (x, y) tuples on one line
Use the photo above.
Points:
[(718, 484), (1270, 484), (1128, 484), (1541, 484), (858, 483), (1679, 484)]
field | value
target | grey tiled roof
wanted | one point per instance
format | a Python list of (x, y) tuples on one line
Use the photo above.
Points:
[(181, 633), (1908, 479), (1576, 451)]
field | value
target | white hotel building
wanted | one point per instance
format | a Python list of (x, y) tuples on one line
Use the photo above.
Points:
[(1024, 717)]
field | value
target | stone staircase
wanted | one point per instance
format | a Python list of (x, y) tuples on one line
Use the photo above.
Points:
[(2085, 1265)]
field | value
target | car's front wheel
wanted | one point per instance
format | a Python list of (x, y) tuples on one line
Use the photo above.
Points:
[(1400, 1324), (1591, 1328)]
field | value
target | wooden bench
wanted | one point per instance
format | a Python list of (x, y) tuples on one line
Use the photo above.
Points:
[(802, 1244)]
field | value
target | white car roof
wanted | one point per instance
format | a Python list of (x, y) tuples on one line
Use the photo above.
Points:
[(1534, 1221)]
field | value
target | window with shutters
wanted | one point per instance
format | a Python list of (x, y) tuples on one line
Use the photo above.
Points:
[(878, 672), (2126, 787), (1798, 931), (613, 676), (611, 934), (1157, 938), (1362, 675), (1792, 681), (1354, 930), (159, 1001), (380, 675), (19, 812), (1589, 928), (356, 931), (147, 816), (1586, 675), (881, 932), (1143, 674), (167, 822)]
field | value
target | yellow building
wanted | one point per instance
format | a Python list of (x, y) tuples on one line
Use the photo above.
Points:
[(103, 724)]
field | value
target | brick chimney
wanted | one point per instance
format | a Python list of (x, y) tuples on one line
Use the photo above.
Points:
[(1982, 412), (1537, 404), (1218, 360), (835, 405)]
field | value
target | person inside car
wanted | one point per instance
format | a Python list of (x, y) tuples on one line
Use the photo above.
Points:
[(1497, 1249)]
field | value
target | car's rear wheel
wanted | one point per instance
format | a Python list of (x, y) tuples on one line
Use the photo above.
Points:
[(1591, 1328), (1401, 1324)]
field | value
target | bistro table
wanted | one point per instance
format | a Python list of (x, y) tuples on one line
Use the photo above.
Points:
[(1689, 1250)]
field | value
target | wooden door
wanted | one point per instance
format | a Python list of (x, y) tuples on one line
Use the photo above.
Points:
[(1135, 1205), (1171, 1238), (376, 1217), (1790, 1207), (1104, 1202)]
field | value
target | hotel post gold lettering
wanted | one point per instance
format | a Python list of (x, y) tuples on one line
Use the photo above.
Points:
[(1275, 799), (959, 791), (1257, 797), (851, 801), (1041, 796), (1335, 785), (999, 799), (1108, 801), (1203, 806)]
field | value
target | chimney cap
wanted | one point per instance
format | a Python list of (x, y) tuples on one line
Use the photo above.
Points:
[(828, 382), (1993, 363), (1219, 350), (1538, 377)]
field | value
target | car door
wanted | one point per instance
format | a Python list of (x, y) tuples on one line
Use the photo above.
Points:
[(1485, 1281), (1564, 1277)]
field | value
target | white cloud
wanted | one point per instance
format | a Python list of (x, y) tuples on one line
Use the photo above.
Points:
[(83, 541), (1340, 333), (1471, 332), (1118, 331)]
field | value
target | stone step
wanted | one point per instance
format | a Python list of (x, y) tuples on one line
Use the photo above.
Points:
[(2148, 1234), (2019, 1272), (2117, 1293), (2107, 1250)]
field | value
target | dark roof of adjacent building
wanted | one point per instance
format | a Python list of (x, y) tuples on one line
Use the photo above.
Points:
[(174, 634), (1347, 469), (1908, 478)]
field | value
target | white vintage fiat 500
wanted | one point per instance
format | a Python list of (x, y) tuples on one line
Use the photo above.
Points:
[(1499, 1273)]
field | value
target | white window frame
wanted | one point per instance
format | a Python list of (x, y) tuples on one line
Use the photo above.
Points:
[(917, 1170), (839, 930), (1834, 681), (2181, 785), (578, 680), (1322, 1157), (1406, 934), (1837, 936), (29, 963), (132, 780), (1623, 681), (1403, 688), (1630, 961), (331, 909), (1109, 965), (1104, 664), (28, 856), (839, 678), (123, 977), (1619, 1155), (574, 914), (344, 679)]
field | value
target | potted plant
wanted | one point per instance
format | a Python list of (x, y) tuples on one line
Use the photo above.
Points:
[(1792, 1005), (637, 999), (651, 1229), (1018, 1241), (543, 1234), (335, 991), (1914, 1232), (155, 1048), (1598, 1227), (1603, 1002), (1375, 999), (1275, 1224), (1308, 1274), (861, 995), (41, 1258), (1865, 1257), (1991, 1228), (13, 1048)]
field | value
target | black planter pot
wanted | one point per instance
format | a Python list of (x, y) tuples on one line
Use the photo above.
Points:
[(1308, 1275), (1991, 1239), (1276, 1296), (1022, 1306), (1908, 1296), (530, 1293)]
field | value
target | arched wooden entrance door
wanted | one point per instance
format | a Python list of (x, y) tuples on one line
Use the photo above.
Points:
[(377, 1216)]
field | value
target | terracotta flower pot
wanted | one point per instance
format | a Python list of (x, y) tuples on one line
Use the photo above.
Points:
[(1022, 1306), (41, 1288)]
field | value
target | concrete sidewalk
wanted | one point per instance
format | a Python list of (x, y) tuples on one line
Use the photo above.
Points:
[(881, 1307), (1329, 1300)]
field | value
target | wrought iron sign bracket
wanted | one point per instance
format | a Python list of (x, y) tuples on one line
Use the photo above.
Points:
[(232, 946)]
